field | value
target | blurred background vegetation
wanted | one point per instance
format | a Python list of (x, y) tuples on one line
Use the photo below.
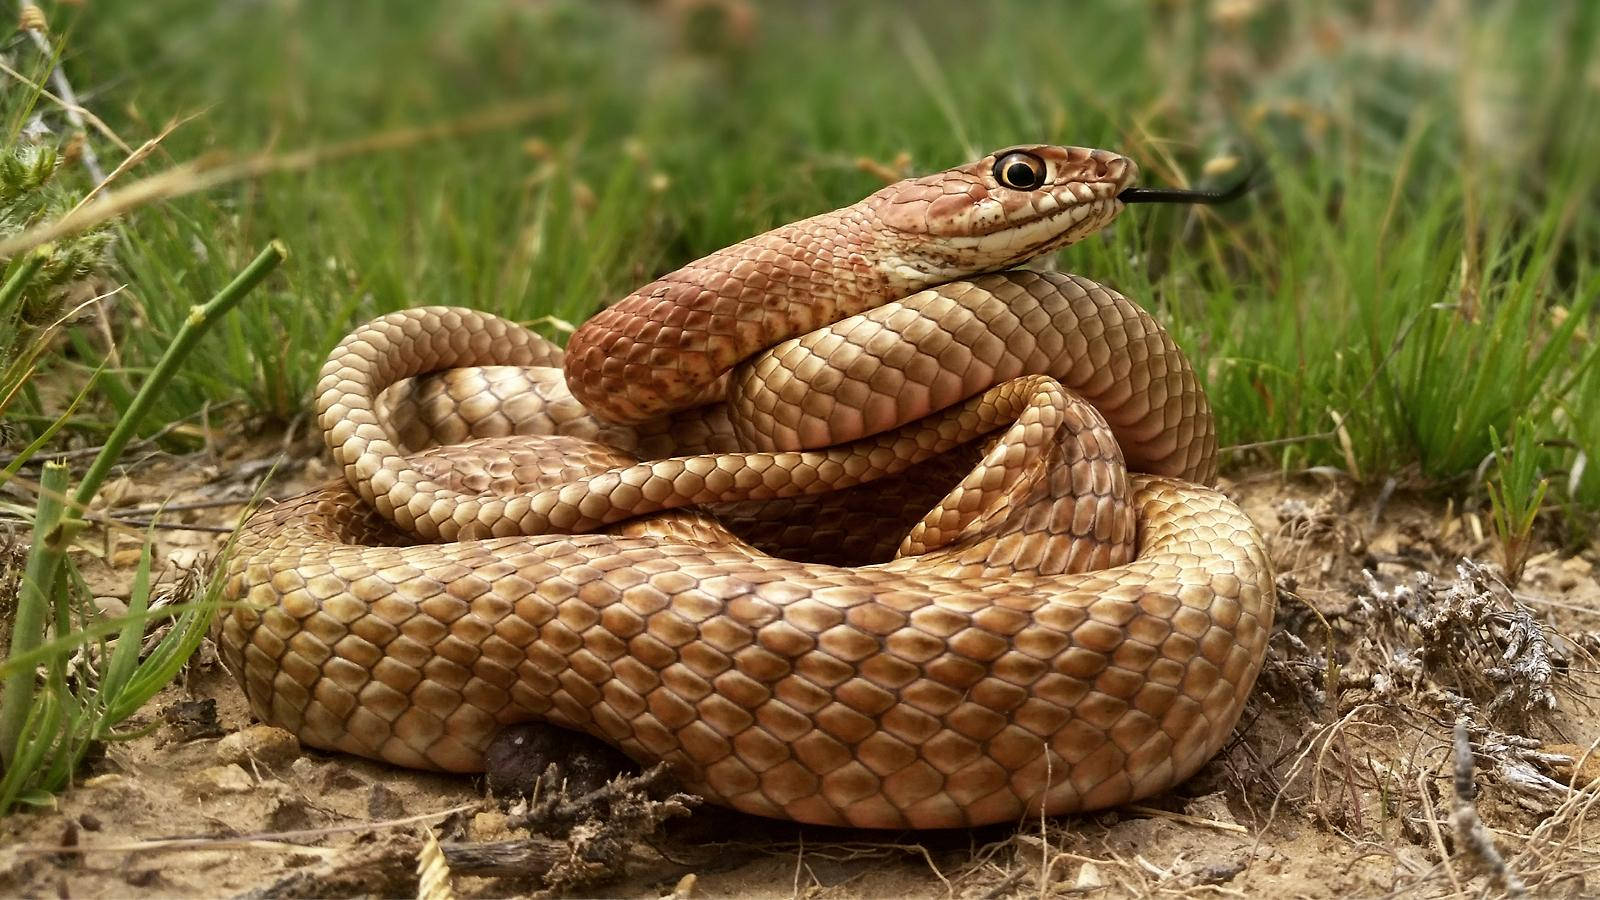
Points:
[(1412, 286)]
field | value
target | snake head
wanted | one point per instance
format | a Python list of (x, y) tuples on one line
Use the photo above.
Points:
[(1006, 208)]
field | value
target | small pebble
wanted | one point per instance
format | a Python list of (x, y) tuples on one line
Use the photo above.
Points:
[(289, 814), (69, 838), (325, 776), (383, 803), (1213, 807), (489, 825), (230, 779), (117, 792), (263, 744)]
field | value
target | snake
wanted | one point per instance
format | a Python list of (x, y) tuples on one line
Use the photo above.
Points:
[(855, 522)]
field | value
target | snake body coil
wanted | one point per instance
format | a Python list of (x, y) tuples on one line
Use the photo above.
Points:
[(841, 528)]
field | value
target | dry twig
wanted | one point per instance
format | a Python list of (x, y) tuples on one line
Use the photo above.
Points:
[(1471, 836)]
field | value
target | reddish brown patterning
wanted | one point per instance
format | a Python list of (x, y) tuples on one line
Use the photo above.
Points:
[(840, 528)]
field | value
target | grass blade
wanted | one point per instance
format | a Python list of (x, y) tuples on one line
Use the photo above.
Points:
[(33, 607)]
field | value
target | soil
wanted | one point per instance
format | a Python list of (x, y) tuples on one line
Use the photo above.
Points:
[(1312, 797)]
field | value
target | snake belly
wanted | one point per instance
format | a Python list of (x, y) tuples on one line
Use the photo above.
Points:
[(843, 530)]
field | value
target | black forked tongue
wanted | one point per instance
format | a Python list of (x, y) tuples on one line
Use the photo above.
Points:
[(1179, 195)]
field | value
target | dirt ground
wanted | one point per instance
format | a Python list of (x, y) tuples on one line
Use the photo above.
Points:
[(1338, 781)]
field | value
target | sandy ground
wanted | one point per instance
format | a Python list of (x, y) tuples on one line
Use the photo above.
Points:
[(1317, 795)]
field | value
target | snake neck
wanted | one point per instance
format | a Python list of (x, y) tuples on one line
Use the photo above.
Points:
[(665, 346)]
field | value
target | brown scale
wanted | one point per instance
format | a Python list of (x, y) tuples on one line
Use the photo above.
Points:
[(904, 575)]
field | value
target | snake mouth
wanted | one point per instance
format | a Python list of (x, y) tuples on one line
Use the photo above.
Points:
[(1018, 243), (1083, 219)]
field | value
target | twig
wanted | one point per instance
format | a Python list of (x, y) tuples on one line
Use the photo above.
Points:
[(180, 507), (1005, 886), (557, 808), (1471, 836), (134, 158), (1431, 817), (1233, 827), (1278, 442), (163, 526), (949, 890)]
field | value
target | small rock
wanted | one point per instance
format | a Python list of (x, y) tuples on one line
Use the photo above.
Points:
[(1387, 544), (489, 825), (118, 792), (90, 822), (685, 887), (383, 803), (264, 744), (1213, 807), (230, 779), (1218, 872), (68, 839), (115, 491), (111, 607), (336, 775), (289, 814), (325, 776), (1089, 878), (143, 878), (126, 557)]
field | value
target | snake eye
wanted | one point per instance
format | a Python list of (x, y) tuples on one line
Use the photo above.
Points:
[(1019, 171)]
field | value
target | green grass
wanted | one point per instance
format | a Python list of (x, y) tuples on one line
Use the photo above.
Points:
[(1416, 276), (1426, 211), (48, 723)]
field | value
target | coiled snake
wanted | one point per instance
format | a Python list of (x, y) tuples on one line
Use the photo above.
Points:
[(828, 520)]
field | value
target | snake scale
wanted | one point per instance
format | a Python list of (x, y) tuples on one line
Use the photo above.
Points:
[(851, 523)]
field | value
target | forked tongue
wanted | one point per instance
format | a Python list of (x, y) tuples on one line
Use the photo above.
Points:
[(1180, 195)]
